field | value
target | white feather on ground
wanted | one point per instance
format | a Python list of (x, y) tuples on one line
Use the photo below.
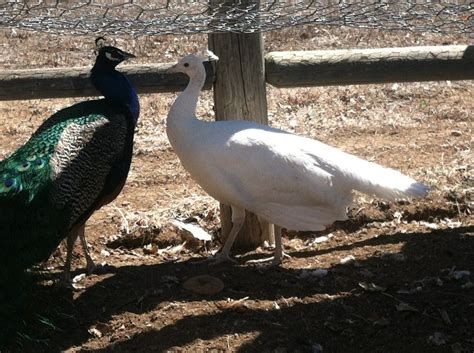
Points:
[(291, 181)]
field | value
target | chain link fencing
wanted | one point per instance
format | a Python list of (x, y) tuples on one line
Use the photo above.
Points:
[(147, 17)]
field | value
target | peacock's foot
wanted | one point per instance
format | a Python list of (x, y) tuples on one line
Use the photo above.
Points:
[(91, 267), (65, 281)]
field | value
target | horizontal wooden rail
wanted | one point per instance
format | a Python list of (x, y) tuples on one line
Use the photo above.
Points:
[(362, 66), (74, 82), (283, 69)]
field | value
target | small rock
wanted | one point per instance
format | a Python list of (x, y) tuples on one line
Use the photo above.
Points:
[(204, 284), (456, 133)]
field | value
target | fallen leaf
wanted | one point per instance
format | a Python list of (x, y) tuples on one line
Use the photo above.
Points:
[(316, 348), (429, 225), (231, 304), (150, 249), (444, 315), (196, 231), (79, 278), (372, 287), (406, 307), (347, 259), (95, 332), (322, 239)]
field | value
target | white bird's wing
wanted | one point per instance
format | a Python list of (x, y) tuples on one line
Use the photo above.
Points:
[(267, 172), (295, 182)]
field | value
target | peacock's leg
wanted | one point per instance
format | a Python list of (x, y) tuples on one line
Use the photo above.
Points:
[(71, 239), (90, 267)]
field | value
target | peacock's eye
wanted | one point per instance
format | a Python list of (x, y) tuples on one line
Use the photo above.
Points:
[(185, 64)]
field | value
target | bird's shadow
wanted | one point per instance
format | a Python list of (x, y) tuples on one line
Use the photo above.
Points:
[(301, 324)]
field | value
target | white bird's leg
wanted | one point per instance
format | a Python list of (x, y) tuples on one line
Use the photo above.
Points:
[(278, 255), (271, 229), (238, 218), (90, 267)]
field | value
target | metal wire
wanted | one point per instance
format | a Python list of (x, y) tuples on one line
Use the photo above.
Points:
[(147, 17)]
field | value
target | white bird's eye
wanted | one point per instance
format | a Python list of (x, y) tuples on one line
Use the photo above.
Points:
[(185, 64)]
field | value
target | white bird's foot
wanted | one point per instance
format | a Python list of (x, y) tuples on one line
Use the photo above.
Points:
[(222, 258), (275, 260), (216, 260)]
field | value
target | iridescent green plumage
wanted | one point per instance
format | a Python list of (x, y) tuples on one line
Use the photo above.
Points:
[(27, 171), (57, 178), (76, 162)]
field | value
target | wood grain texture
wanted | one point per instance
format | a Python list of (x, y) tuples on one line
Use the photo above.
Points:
[(283, 69), (240, 94), (363, 66), (74, 82)]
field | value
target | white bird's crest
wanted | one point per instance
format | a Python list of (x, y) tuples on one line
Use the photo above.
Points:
[(207, 55)]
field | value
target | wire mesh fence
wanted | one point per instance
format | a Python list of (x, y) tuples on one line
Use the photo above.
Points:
[(147, 17)]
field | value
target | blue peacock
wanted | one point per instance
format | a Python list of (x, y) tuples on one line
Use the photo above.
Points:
[(76, 162)]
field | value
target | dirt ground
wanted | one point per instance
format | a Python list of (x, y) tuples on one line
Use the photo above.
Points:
[(395, 277)]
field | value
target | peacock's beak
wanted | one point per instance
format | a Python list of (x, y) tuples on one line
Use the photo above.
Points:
[(127, 56)]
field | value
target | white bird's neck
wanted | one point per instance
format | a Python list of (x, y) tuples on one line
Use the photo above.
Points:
[(184, 107)]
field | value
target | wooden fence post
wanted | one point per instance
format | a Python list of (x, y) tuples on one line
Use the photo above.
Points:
[(240, 93)]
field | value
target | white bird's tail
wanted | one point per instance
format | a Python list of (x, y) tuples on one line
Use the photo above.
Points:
[(371, 178)]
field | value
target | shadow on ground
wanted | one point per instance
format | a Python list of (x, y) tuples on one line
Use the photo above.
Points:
[(334, 312)]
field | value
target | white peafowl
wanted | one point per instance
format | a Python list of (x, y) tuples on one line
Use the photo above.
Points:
[(291, 181)]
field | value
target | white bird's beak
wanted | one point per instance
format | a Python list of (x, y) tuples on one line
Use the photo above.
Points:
[(172, 69)]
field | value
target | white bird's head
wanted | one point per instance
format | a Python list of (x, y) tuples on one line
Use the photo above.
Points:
[(192, 63)]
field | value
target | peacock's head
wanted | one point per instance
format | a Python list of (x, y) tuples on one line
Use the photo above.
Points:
[(109, 55), (192, 63)]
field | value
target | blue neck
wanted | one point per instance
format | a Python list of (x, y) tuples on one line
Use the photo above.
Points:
[(115, 87)]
